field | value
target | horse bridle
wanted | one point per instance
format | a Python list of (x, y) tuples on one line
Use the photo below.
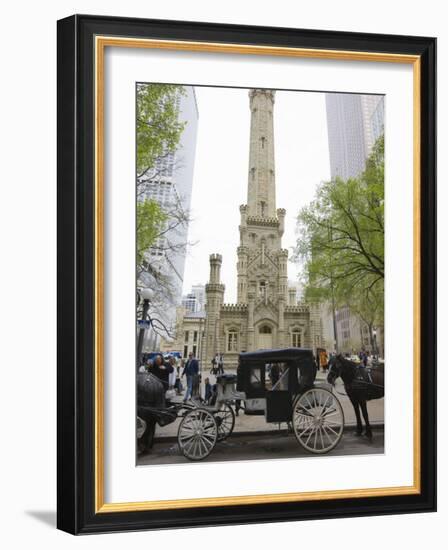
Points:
[(333, 384)]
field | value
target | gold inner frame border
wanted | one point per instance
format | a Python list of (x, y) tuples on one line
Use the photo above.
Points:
[(101, 42)]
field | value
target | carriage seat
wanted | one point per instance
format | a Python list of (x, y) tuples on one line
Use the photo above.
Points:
[(226, 379)]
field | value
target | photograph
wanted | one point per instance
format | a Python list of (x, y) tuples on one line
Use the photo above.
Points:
[(246, 222), (260, 273)]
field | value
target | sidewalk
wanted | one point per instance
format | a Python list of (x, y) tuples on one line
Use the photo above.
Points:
[(250, 424)]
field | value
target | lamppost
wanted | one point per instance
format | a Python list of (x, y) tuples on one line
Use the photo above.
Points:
[(375, 349), (146, 294), (333, 305)]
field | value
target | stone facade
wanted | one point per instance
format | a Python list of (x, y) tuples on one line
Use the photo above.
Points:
[(189, 333), (266, 314)]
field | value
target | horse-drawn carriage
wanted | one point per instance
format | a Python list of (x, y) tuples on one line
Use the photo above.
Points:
[(279, 384), (155, 406)]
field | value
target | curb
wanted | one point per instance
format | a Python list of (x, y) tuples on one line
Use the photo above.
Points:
[(263, 433)]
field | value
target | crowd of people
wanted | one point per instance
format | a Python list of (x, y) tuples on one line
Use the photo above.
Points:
[(172, 371), (324, 359)]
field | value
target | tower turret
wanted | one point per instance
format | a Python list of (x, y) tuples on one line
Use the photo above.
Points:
[(214, 292), (261, 185)]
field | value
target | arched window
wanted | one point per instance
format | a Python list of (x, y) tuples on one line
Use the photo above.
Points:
[(296, 338), (262, 289), (232, 340), (265, 329)]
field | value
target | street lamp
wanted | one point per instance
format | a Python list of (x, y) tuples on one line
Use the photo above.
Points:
[(375, 349), (146, 294)]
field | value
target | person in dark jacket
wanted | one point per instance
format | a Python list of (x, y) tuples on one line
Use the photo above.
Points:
[(191, 371), (208, 391), (161, 369), (221, 364)]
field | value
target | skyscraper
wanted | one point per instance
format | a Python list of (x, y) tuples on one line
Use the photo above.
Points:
[(354, 123), (171, 187), (194, 301)]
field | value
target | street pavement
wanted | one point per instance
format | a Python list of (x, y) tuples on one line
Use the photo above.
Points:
[(253, 438), (263, 447)]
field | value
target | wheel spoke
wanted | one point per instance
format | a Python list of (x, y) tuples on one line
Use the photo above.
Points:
[(189, 444), (331, 429), (309, 437), (202, 445), (321, 438), (324, 408), (332, 423), (328, 436), (305, 430), (309, 403)]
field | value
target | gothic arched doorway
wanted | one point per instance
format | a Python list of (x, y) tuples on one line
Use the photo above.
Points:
[(264, 337)]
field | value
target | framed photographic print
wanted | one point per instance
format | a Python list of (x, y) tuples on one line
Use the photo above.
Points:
[(246, 237)]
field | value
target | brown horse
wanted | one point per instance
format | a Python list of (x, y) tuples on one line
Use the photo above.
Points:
[(361, 385)]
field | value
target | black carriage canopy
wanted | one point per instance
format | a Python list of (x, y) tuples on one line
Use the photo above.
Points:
[(299, 362)]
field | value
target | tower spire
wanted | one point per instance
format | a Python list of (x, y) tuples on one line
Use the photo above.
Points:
[(261, 184)]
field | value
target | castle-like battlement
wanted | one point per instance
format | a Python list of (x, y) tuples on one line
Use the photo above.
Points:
[(267, 222), (234, 307), (216, 258), (299, 308), (211, 287)]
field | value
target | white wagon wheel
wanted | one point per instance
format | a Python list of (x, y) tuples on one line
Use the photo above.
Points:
[(198, 434), (318, 420), (225, 419)]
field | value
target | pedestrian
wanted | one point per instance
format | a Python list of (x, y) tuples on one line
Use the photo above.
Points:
[(178, 384), (237, 406), (215, 363), (323, 360), (364, 359), (221, 364), (160, 369), (191, 371), (208, 391), (173, 374)]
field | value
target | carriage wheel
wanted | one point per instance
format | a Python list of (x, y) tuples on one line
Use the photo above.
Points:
[(198, 434), (318, 420), (225, 419)]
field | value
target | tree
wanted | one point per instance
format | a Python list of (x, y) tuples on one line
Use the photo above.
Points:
[(159, 227), (342, 240), (150, 223), (158, 135), (158, 126)]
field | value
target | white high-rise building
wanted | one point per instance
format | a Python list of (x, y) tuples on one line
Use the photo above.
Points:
[(171, 187), (354, 122), (194, 301)]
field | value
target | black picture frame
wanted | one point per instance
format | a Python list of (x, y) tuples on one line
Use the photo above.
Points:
[(76, 256)]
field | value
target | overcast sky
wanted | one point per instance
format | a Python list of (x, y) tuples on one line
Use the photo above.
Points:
[(221, 168)]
